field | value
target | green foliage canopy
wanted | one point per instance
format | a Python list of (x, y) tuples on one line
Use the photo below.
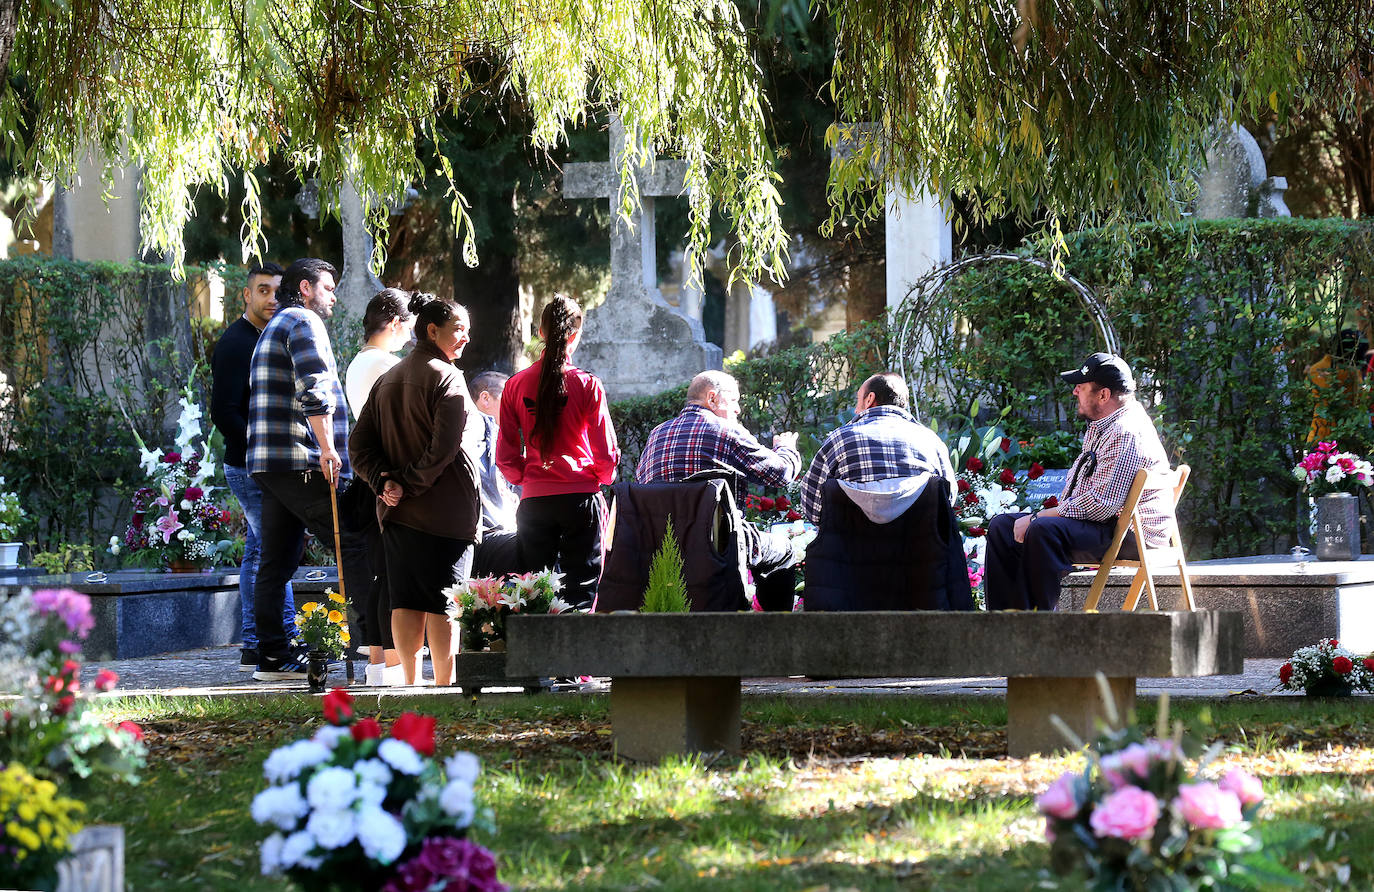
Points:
[(192, 90)]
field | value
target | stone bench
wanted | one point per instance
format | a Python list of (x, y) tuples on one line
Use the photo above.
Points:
[(1287, 604), (139, 613), (675, 678)]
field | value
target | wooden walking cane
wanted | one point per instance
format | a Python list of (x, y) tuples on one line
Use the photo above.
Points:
[(338, 564)]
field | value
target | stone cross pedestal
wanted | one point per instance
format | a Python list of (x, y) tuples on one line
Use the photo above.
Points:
[(635, 342)]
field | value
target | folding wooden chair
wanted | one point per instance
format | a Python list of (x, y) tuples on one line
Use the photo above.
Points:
[(1150, 558)]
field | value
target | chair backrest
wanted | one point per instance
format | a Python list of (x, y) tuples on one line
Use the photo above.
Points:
[(1146, 480), (915, 562), (706, 524)]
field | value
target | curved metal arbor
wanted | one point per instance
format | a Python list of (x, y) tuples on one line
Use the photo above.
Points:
[(921, 319)]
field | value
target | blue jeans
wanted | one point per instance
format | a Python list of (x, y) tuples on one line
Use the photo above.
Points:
[(250, 498)]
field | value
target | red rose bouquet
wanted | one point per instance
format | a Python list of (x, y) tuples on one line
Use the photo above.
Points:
[(1326, 669), (353, 808)]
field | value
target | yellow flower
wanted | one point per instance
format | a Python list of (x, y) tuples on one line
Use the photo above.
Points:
[(345, 636), (300, 621), (335, 616), (335, 596), (309, 607)]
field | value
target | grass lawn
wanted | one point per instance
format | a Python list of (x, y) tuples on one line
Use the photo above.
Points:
[(835, 792)]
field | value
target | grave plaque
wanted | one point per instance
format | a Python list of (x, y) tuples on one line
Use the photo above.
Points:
[(1050, 483)]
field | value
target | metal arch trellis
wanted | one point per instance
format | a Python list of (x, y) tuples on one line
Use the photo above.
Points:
[(912, 325)]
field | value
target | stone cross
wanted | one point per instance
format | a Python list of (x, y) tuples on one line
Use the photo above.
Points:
[(635, 342), (1235, 182), (357, 283)]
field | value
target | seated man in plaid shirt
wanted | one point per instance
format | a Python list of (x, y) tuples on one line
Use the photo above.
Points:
[(883, 442), (1028, 554), (706, 436)]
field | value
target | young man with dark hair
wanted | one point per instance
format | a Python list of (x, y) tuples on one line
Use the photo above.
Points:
[(297, 452), (229, 410)]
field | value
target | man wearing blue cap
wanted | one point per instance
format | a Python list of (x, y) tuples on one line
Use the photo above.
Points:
[(1029, 553)]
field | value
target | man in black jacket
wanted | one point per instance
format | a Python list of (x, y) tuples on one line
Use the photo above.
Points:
[(229, 411)]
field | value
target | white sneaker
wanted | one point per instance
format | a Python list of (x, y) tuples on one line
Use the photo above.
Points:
[(375, 678), (393, 676)]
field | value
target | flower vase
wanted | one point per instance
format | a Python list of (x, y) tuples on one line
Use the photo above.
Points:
[(181, 565), (1338, 527), (1329, 687), (317, 671), (9, 555)]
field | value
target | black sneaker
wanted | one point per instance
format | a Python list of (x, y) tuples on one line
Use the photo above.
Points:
[(279, 669), (248, 659)]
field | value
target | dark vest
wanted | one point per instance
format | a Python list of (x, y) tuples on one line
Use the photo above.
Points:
[(916, 562), (707, 528)]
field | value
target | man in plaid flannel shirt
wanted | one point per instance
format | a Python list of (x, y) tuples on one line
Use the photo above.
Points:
[(297, 453), (1029, 553), (881, 443), (706, 436)]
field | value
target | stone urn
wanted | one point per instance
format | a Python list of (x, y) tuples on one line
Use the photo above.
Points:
[(96, 863), (1337, 537)]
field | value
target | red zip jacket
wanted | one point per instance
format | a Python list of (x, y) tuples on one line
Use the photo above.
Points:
[(585, 453)]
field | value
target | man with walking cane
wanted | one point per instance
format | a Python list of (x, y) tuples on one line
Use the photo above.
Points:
[(298, 454)]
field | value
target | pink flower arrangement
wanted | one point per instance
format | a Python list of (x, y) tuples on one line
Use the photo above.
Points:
[(1326, 470), (1137, 815), (480, 605)]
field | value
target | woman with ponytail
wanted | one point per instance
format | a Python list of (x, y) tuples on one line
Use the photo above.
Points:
[(408, 446), (556, 442)]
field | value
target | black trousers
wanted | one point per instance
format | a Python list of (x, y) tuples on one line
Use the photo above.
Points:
[(1026, 575), (774, 564), (293, 502), (563, 531)]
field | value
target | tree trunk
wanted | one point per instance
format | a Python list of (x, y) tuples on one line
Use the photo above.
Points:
[(9, 24), (491, 292)]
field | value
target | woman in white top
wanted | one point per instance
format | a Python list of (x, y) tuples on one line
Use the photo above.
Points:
[(387, 326)]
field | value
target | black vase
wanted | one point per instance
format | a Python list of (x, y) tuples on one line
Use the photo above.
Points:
[(317, 671)]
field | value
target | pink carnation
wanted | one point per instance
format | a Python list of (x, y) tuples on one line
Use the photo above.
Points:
[(1207, 806), (1327, 446), (1061, 799), (1129, 813), (1245, 785)]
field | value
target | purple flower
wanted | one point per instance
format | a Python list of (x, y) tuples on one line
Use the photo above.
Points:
[(463, 865), (72, 607), (68, 647)]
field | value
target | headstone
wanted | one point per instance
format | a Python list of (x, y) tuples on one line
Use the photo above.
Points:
[(96, 862), (635, 342), (357, 283), (1050, 483), (1236, 183)]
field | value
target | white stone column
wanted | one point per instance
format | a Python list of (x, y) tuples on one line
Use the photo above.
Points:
[(919, 239)]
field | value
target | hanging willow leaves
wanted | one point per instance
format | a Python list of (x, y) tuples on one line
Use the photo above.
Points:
[(193, 90)]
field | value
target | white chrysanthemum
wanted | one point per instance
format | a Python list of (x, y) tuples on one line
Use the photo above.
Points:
[(331, 789), (295, 851), (372, 771), (332, 828), (287, 763), (282, 806), (383, 838), (401, 756), (370, 795), (457, 802), (271, 853), (463, 766), (330, 735)]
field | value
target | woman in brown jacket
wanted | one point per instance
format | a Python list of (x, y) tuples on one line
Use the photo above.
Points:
[(407, 445)]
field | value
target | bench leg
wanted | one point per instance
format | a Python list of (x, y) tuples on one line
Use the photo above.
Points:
[(656, 717), (1078, 701)]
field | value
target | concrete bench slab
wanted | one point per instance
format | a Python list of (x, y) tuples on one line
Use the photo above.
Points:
[(675, 677), (1287, 604)]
